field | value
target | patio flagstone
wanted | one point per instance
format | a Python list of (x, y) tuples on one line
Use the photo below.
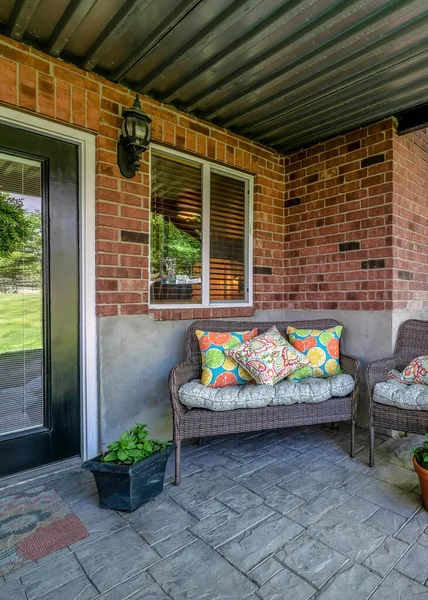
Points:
[(312, 510), (273, 473), (80, 588), (251, 547), (134, 585), (50, 576), (398, 587), (311, 559), (386, 521), (279, 499), (152, 592), (386, 556), (304, 486), (396, 475), (358, 508), (414, 564), (201, 573), (115, 558), (413, 529), (240, 498), (174, 543), (237, 525), (12, 589), (354, 582), (391, 497), (350, 537), (269, 528), (159, 518), (265, 570), (212, 522), (287, 586)]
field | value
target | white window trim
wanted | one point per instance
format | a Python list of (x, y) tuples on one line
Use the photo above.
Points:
[(85, 142), (207, 166)]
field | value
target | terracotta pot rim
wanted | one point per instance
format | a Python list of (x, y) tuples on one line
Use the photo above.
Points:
[(423, 473)]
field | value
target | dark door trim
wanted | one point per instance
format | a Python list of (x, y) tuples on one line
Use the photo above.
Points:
[(85, 141)]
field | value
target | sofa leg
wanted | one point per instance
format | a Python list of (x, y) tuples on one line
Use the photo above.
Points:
[(371, 449), (201, 441), (353, 439), (177, 462), (334, 426)]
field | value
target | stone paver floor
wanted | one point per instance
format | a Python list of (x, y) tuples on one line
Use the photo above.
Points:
[(283, 515)]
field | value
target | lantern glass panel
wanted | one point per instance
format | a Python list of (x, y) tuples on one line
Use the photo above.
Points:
[(141, 129), (125, 127)]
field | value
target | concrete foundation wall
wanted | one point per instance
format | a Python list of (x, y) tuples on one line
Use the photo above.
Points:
[(137, 353)]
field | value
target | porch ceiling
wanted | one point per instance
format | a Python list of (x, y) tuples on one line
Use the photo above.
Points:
[(286, 73)]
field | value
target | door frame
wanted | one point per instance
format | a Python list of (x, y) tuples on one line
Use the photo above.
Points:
[(85, 142)]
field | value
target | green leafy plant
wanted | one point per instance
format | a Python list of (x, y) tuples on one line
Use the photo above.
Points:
[(132, 447), (14, 225), (421, 454)]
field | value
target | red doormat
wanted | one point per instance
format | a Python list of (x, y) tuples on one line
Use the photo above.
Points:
[(34, 523)]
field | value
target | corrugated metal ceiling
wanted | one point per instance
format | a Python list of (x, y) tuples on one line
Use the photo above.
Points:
[(286, 73)]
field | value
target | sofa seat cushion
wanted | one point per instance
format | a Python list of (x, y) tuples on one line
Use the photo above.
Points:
[(401, 395), (310, 390)]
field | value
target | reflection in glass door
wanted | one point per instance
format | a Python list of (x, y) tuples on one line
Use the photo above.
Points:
[(21, 295), (39, 300)]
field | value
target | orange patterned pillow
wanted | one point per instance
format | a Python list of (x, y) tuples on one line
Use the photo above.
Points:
[(219, 370)]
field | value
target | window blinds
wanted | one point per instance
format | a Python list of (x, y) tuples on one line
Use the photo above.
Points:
[(190, 200), (176, 222), (19, 176), (227, 238)]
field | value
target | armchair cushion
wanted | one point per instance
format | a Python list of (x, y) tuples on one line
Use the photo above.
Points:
[(401, 395), (310, 390)]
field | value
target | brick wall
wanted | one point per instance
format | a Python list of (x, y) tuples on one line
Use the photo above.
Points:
[(341, 225), (410, 221), (38, 83), (338, 222)]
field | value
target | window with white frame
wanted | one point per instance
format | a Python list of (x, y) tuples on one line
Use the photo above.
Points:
[(200, 232)]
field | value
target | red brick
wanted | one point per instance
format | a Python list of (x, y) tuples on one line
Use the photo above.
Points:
[(46, 94), (106, 285), (92, 111), (133, 309), (107, 310), (22, 56), (8, 89), (78, 106), (381, 206), (118, 272), (134, 285), (27, 88), (63, 100)]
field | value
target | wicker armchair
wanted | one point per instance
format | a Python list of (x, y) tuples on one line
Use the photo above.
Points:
[(412, 341), (197, 423)]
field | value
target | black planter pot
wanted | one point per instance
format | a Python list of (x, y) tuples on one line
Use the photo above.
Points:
[(126, 487)]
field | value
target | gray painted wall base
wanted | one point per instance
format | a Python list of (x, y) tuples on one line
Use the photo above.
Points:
[(137, 353)]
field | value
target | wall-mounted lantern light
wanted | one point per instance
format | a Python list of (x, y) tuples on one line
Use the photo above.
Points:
[(135, 137)]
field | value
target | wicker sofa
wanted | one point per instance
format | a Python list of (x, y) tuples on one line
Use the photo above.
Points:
[(198, 423), (412, 341)]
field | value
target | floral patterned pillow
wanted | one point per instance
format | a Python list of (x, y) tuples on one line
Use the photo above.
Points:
[(322, 349), (415, 372), (219, 370), (269, 358)]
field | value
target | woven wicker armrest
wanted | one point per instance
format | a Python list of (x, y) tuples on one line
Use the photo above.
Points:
[(378, 370), (182, 373), (351, 366)]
